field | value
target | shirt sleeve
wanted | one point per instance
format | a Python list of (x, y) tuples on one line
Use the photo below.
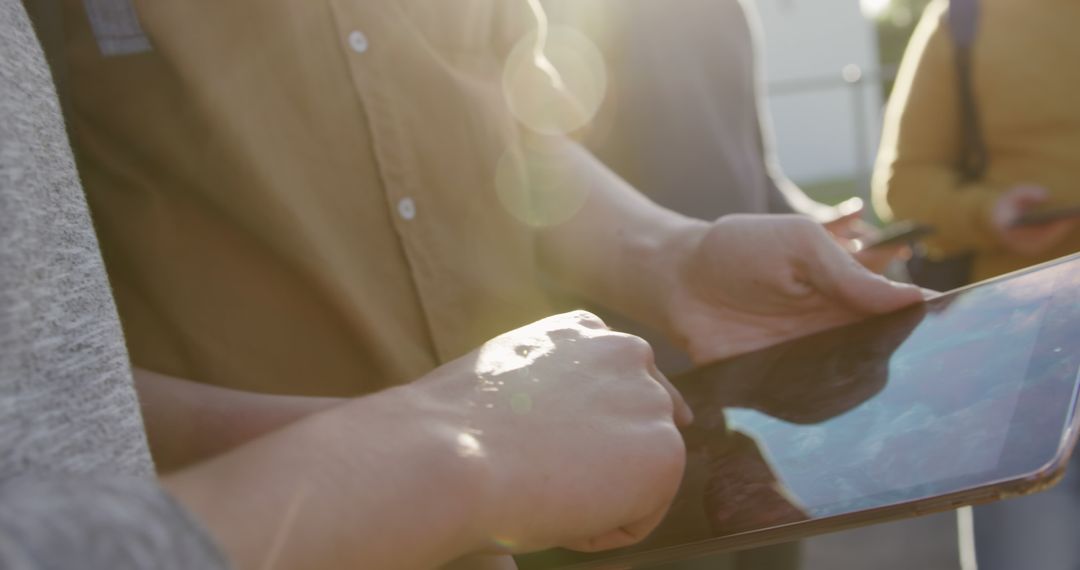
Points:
[(917, 177), (782, 195), (780, 190), (98, 523)]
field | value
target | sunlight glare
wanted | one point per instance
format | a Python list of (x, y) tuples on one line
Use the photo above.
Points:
[(501, 355), (537, 186), (873, 8), (540, 58), (468, 445), (555, 78)]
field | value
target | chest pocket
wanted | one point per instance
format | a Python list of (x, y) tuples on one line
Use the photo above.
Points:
[(116, 27)]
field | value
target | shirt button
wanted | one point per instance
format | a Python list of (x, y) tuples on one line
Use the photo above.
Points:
[(358, 42), (406, 207)]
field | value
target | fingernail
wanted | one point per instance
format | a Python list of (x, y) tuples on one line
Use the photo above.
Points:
[(688, 414)]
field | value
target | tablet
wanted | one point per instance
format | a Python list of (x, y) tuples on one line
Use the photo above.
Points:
[(965, 399)]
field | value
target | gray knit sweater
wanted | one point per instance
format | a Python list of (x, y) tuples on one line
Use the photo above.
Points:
[(77, 486)]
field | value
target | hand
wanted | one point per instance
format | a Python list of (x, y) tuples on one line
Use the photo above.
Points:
[(561, 433), (838, 219), (749, 281), (851, 232), (1027, 240), (575, 430)]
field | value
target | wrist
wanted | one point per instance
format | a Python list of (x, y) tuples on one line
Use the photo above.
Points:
[(657, 265), (372, 482), (429, 439)]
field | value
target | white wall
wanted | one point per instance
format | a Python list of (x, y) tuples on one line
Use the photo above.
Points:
[(815, 125)]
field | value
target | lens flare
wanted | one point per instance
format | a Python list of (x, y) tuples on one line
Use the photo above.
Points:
[(554, 79), (540, 59), (505, 544), (537, 187)]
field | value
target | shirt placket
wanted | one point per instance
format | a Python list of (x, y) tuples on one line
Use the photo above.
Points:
[(371, 35)]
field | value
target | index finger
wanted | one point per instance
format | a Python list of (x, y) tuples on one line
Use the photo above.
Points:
[(684, 416)]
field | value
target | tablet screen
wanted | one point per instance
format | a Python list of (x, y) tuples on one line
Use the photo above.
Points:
[(974, 387)]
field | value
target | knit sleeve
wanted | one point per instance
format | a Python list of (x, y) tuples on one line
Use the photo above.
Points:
[(58, 522)]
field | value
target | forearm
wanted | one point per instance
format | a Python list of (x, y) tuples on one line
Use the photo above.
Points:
[(450, 465), (932, 194), (187, 421), (327, 492), (620, 249)]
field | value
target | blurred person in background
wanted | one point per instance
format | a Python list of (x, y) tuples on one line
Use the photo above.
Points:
[(685, 120), (1023, 81), (1023, 76)]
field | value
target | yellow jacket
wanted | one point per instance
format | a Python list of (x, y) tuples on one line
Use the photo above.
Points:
[(1026, 77)]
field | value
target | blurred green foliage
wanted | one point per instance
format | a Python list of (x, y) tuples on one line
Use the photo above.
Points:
[(832, 191)]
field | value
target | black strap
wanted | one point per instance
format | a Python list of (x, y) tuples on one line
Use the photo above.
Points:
[(963, 24), (955, 270)]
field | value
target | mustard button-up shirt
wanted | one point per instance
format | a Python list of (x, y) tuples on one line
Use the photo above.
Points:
[(299, 196)]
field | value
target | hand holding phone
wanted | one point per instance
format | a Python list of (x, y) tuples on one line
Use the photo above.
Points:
[(1025, 229), (900, 233), (1040, 217), (842, 216)]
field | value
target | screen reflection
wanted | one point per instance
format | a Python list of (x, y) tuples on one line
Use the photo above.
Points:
[(799, 383)]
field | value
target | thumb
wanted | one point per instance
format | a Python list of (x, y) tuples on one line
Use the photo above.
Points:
[(1028, 195), (1015, 202)]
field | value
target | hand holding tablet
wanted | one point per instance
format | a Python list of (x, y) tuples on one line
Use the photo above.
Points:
[(966, 399)]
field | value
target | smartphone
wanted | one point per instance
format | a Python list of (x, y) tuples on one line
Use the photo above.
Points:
[(968, 398), (1037, 217), (900, 233)]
